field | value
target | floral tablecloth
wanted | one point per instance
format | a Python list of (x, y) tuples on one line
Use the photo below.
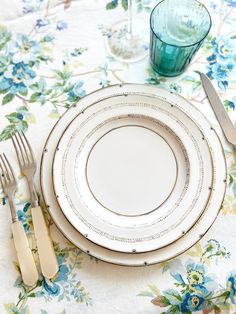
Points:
[(52, 54)]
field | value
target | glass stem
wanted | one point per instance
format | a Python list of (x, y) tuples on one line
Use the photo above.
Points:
[(130, 11)]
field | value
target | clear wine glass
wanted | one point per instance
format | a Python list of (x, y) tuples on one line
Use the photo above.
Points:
[(128, 40)]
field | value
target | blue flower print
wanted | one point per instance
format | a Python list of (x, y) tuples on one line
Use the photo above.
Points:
[(191, 303), (41, 23), (223, 47), (220, 70), (16, 78), (31, 5), (24, 49), (2, 199), (27, 10), (231, 3), (23, 215), (63, 273), (76, 92), (61, 258), (50, 287), (65, 286), (229, 104), (212, 5), (61, 25), (196, 290), (199, 289), (221, 61), (195, 274), (231, 287), (53, 287)]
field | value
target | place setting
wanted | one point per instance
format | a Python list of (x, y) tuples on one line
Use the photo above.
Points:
[(131, 174), (106, 188)]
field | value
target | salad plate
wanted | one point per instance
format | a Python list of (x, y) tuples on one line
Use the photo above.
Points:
[(191, 236), (132, 173)]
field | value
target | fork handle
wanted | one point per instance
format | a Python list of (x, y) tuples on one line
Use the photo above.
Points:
[(26, 261), (47, 256)]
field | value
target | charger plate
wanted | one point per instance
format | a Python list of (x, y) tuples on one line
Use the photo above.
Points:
[(190, 237), (132, 173)]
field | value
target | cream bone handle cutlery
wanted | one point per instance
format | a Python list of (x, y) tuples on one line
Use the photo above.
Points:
[(25, 258), (47, 257)]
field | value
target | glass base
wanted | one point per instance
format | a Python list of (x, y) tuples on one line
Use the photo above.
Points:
[(124, 47), (169, 74)]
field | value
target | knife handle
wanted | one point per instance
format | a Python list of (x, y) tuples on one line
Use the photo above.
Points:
[(26, 261), (47, 256)]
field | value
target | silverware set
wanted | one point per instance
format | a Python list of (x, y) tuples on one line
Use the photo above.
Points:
[(47, 257)]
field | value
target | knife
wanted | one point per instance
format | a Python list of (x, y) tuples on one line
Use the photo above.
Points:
[(219, 110)]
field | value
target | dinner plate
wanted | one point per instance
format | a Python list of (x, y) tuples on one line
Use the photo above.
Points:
[(190, 237), (132, 173)]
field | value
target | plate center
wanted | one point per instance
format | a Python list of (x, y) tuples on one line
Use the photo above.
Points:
[(131, 170)]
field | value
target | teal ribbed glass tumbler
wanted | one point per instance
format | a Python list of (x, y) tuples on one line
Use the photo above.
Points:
[(178, 28)]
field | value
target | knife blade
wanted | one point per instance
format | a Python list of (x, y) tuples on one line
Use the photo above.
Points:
[(219, 110)]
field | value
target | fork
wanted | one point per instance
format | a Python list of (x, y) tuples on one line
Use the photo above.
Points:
[(27, 265), (47, 257)]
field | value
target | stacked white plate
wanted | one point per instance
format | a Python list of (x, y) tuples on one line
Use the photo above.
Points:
[(133, 174)]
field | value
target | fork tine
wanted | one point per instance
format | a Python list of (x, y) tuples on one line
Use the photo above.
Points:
[(22, 160), (29, 146), (4, 169), (24, 146), (1, 182), (10, 168), (16, 150), (2, 177)]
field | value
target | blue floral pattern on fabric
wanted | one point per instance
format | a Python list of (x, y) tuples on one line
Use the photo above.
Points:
[(38, 71), (196, 289), (221, 61), (16, 78)]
